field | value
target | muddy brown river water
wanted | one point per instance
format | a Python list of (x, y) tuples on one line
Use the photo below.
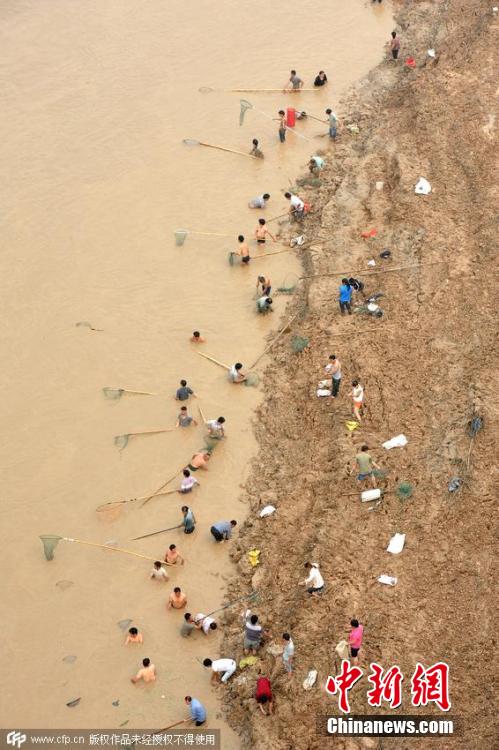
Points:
[(96, 98)]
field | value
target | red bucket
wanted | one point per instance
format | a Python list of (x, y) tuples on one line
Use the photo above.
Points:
[(290, 117)]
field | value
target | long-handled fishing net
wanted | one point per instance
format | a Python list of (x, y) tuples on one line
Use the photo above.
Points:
[(245, 105), (210, 90), (113, 508), (121, 441), (116, 393), (50, 542), (182, 234), (289, 284), (248, 105)]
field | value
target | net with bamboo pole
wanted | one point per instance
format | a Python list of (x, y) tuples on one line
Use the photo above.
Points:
[(50, 542), (121, 441), (116, 393), (113, 507)]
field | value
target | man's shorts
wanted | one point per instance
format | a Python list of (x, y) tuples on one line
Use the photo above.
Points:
[(251, 644), (361, 477), (316, 591)]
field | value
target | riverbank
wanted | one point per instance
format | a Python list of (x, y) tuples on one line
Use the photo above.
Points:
[(426, 368)]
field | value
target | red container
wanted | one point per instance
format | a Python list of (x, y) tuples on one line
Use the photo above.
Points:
[(290, 117)]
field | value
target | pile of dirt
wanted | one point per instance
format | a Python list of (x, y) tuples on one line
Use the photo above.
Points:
[(427, 367)]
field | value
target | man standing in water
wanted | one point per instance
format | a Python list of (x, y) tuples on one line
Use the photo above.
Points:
[(199, 460), (282, 125), (333, 124), (261, 232), (216, 428), (266, 285), (295, 83), (188, 520), (244, 250), (255, 151)]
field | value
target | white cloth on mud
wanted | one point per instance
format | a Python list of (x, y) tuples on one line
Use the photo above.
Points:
[(422, 187), (310, 679), (388, 580), (267, 511), (396, 442), (323, 392), (396, 544)]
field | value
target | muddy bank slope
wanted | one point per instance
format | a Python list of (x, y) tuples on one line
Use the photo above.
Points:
[(427, 367)]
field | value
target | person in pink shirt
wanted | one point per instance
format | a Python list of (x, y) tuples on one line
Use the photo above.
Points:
[(355, 640)]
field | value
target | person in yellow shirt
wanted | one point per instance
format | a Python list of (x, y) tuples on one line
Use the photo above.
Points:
[(147, 673), (134, 636)]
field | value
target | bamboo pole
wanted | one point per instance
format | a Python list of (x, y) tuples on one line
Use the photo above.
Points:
[(223, 148), (170, 726), (112, 549), (368, 272), (212, 359), (153, 533), (210, 234), (269, 347), (202, 415), (274, 218), (275, 252), (256, 91), (158, 491), (127, 390), (147, 432)]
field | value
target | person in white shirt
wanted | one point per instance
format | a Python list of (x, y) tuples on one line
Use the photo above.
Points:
[(315, 581), (236, 374), (216, 427), (357, 394), (333, 369), (297, 207), (158, 573), (260, 201), (222, 669), (288, 653), (205, 623), (188, 482)]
